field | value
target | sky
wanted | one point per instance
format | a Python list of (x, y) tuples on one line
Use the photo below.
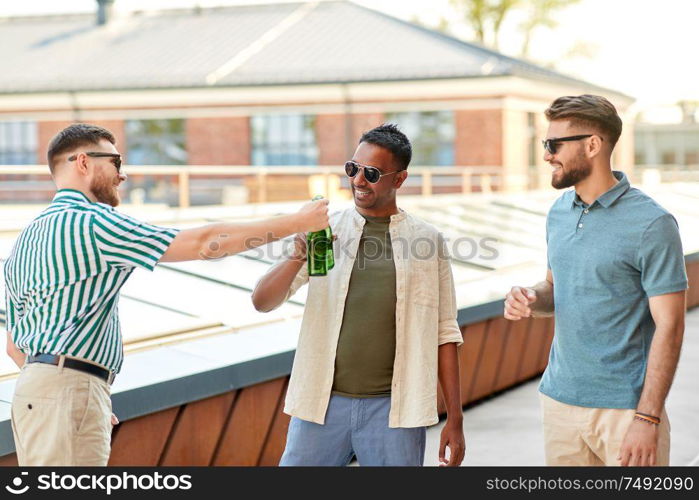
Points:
[(640, 47)]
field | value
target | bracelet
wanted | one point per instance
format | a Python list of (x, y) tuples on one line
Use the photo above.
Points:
[(647, 418), (652, 417)]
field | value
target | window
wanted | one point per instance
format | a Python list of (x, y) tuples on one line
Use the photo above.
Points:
[(689, 154), (668, 158), (691, 157), (284, 140), (156, 142), (668, 144), (18, 143), (431, 133)]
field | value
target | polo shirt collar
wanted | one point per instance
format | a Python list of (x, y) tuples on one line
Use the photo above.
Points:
[(71, 195), (615, 192)]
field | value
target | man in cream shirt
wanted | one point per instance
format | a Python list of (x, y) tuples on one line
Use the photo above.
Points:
[(379, 331)]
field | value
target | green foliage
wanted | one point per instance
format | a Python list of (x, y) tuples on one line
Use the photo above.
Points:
[(541, 14), (486, 17)]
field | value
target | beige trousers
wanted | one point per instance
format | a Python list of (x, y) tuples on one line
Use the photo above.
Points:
[(575, 435), (61, 417)]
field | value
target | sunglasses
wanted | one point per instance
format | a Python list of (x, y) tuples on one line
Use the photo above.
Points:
[(116, 158), (550, 145), (371, 174)]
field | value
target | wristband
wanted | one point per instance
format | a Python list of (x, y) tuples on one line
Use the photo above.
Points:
[(647, 418)]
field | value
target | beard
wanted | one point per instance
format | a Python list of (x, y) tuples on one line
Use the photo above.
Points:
[(578, 169), (105, 191)]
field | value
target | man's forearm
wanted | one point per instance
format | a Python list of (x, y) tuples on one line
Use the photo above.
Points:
[(544, 305), (660, 371), (449, 380), (216, 241), (273, 287), (19, 358), (226, 239), (15, 354)]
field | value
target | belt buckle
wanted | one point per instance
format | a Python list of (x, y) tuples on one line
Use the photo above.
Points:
[(112, 376)]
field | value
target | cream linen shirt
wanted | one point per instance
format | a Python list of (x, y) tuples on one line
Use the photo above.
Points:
[(425, 319)]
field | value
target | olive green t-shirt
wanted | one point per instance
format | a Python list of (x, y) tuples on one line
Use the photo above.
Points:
[(367, 344)]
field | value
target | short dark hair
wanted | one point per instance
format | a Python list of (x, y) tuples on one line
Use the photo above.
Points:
[(593, 111), (389, 137), (75, 136)]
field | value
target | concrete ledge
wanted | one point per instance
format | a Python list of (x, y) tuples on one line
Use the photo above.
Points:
[(480, 312), (152, 398)]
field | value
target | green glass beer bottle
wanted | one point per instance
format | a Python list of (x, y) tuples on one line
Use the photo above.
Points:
[(320, 256)]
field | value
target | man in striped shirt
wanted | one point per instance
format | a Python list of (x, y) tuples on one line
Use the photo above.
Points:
[(63, 278)]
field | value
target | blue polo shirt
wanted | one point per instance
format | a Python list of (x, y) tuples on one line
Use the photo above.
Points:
[(607, 258)]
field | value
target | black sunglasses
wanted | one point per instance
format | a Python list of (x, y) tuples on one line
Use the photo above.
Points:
[(116, 158), (371, 174), (550, 144)]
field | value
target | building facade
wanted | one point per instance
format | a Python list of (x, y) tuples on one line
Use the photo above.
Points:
[(289, 84)]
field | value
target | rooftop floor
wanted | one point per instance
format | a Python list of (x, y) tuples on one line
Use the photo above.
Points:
[(506, 430), (495, 240)]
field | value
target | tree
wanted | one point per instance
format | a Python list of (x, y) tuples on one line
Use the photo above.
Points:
[(541, 15), (443, 25), (485, 17), (498, 12)]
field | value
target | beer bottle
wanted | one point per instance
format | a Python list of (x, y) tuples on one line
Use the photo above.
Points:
[(320, 256)]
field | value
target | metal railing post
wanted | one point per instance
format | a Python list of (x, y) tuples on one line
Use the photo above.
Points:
[(262, 181), (184, 188), (486, 184), (426, 182), (326, 179), (466, 181)]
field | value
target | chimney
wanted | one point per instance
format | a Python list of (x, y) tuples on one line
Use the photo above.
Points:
[(104, 11)]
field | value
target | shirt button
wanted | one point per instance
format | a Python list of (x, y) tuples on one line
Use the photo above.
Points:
[(579, 225), (587, 211)]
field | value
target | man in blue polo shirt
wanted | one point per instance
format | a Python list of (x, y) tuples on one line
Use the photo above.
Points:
[(616, 285)]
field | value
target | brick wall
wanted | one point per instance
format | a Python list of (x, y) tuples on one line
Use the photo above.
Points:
[(362, 123), (479, 135), (47, 129), (334, 144), (218, 141), (331, 136)]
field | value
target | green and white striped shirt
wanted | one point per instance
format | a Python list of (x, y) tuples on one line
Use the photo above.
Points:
[(64, 275)]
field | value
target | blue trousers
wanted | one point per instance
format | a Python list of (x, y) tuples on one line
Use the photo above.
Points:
[(353, 426)]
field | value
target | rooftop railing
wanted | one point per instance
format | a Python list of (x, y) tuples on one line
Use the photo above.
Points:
[(187, 185)]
